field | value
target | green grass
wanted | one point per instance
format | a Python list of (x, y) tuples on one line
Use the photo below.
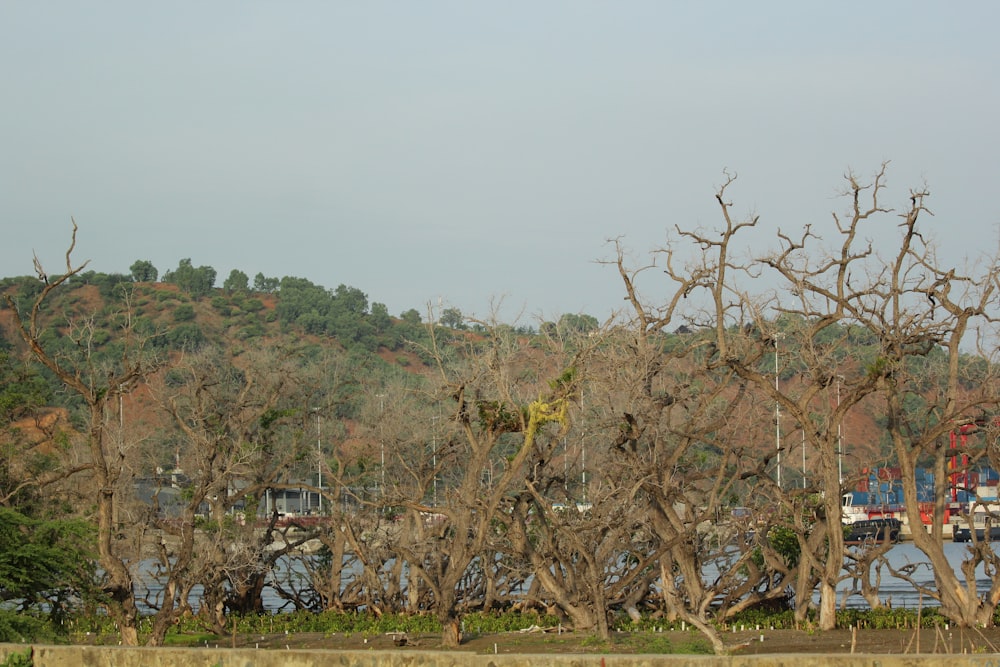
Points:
[(191, 639)]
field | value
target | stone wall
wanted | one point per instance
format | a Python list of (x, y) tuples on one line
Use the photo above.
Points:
[(107, 656)]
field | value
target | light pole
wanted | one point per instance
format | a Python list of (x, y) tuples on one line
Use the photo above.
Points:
[(840, 442), (803, 458), (319, 460), (583, 455), (434, 457), (381, 437), (777, 408)]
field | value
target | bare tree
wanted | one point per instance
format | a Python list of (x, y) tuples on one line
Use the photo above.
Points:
[(747, 338), (460, 465), (99, 386), (926, 310), (589, 553), (242, 429), (684, 429), (912, 309)]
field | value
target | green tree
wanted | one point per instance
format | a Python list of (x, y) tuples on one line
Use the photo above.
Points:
[(265, 285), (571, 323), (298, 296), (22, 391), (380, 317), (411, 316), (143, 271), (110, 285), (186, 336), (236, 282), (350, 300), (195, 281), (452, 318), (184, 313), (44, 563)]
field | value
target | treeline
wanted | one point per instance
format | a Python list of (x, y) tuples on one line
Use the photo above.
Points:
[(344, 313)]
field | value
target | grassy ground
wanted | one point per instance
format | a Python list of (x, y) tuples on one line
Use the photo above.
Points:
[(938, 641)]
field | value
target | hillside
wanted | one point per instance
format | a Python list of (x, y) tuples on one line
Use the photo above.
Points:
[(300, 314)]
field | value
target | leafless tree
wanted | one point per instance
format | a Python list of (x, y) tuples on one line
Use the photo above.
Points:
[(927, 312), (685, 434), (99, 387), (913, 310), (243, 427), (464, 458)]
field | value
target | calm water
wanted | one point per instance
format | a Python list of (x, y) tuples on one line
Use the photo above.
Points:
[(900, 593)]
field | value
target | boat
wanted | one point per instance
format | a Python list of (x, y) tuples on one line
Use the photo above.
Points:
[(985, 522), (873, 531)]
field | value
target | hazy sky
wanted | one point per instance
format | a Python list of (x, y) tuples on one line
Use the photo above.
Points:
[(475, 151)]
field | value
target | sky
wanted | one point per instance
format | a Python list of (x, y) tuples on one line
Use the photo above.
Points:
[(478, 155)]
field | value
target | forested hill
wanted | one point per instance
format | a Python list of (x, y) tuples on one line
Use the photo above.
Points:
[(185, 310)]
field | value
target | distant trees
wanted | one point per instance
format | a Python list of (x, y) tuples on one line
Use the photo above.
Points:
[(143, 271), (236, 282), (23, 392), (577, 323), (264, 285), (452, 318), (195, 281), (112, 286), (379, 317), (342, 313)]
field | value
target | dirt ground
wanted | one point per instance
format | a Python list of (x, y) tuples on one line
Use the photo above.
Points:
[(938, 641)]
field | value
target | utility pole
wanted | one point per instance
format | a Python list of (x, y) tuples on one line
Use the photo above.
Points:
[(381, 436), (840, 442), (777, 407), (434, 457), (319, 459)]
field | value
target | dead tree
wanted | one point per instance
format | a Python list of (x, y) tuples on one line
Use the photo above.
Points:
[(100, 387)]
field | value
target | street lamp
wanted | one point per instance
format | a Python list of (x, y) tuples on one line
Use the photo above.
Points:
[(319, 459), (434, 457), (381, 437), (840, 442), (803, 458), (583, 455), (777, 407)]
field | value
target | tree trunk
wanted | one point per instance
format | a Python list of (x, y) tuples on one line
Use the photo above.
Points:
[(447, 613), (247, 598), (804, 585), (123, 607), (595, 577), (332, 597), (412, 591), (710, 632), (451, 633), (827, 605)]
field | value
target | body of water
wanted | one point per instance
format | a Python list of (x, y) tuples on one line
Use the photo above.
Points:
[(892, 590), (900, 593)]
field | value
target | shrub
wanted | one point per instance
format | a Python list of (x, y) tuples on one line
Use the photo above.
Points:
[(184, 313)]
